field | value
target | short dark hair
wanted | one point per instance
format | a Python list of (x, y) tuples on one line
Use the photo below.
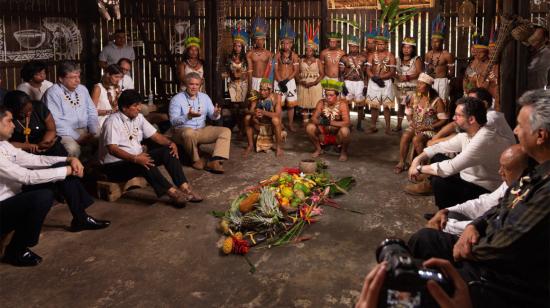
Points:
[(124, 60), (3, 111), (67, 67), (474, 107), (15, 100), (113, 69), (31, 68), (119, 31), (483, 94), (128, 98)]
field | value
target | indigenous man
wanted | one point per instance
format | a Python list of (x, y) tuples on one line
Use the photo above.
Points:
[(73, 111), (258, 58), (479, 74), (439, 63), (188, 111), (286, 68), (330, 57), (370, 43), (351, 68), (330, 121), (265, 109), (381, 69)]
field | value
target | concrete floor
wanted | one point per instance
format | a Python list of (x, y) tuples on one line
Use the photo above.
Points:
[(154, 255)]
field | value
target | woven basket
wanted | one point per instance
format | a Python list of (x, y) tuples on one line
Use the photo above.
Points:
[(523, 32)]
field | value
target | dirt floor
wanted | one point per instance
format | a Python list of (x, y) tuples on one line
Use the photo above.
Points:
[(154, 255)]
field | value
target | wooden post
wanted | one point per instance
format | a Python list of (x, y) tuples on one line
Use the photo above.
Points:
[(91, 46), (513, 69), (210, 41), (324, 25)]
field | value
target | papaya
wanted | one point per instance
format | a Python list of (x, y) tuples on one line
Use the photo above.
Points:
[(248, 203)]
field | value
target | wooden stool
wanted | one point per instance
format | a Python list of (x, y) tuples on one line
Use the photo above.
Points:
[(112, 191)]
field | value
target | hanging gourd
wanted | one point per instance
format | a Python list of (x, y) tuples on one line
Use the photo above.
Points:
[(466, 13)]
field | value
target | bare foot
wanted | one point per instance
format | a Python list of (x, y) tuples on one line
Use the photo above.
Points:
[(396, 129), (400, 167), (388, 131), (247, 151), (279, 152), (373, 130), (292, 128), (317, 153), (343, 157)]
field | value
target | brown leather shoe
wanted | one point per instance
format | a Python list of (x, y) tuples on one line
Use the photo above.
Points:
[(423, 188), (178, 198), (421, 178), (199, 164), (193, 196), (214, 166)]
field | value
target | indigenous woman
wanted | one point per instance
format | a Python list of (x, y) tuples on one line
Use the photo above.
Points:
[(236, 67), (310, 76), (191, 61), (428, 115), (408, 68), (105, 94), (34, 130), (330, 121)]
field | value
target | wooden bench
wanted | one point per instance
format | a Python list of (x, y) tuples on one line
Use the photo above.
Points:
[(112, 191)]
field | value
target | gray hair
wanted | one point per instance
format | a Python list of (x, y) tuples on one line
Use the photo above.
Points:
[(539, 100), (192, 75), (67, 67)]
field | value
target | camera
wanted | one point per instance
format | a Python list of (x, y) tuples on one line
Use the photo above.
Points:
[(405, 283)]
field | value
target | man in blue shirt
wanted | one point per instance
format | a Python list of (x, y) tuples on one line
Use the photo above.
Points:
[(72, 108), (188, 111)]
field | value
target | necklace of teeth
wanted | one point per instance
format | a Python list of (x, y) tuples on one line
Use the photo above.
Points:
[(74, 103)]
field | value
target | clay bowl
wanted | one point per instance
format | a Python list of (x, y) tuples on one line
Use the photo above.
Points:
[(308, 166)]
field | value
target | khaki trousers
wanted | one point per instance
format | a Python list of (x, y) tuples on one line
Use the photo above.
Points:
[(191, 139)]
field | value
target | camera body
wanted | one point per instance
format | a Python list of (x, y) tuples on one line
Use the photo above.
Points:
[(405, 283)]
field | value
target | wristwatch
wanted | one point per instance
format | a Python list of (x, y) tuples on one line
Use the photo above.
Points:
[(419, 168)]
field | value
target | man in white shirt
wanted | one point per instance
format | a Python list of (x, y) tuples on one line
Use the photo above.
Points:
[(116, 50), (188, 112), (472, 172), (513, 163), (126, 83), (34, 75), (24, 211), (122, 156)]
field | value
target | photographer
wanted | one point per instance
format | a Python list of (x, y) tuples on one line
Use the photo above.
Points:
[(374, 281)]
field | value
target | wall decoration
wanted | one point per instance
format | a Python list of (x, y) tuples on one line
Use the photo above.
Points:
[(105, 5), (52, 38), (182, 29), (374, 4)]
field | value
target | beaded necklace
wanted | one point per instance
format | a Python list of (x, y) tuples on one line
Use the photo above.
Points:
[(70, 100), (191, 105), (132, 131)]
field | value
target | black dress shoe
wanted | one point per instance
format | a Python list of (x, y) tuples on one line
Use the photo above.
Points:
[(429, 216), (22, 258), (89, 223)]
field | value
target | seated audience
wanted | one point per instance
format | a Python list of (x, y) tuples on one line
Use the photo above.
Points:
[(188, 112), (34, 75), (72, 108), (427, 114), (116, 50), (123, 157), (472, 172), (330, 121), (513, 163), (266, 110), (504, 254), (495, 120), (126, 83), (34, 130), (24, 204), (105, 94)]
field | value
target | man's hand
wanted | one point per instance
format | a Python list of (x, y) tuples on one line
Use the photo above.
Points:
[(413, 171), (372, 286), (31, 148), (174, 150), (461, 296), (76, 166), (439, 220), (192, 114), (145, 160), (463, 247)]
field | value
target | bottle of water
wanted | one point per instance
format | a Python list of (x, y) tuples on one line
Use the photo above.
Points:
[(150, 99)]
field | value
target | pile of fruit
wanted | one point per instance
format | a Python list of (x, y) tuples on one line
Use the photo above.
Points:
[(276, 210)]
